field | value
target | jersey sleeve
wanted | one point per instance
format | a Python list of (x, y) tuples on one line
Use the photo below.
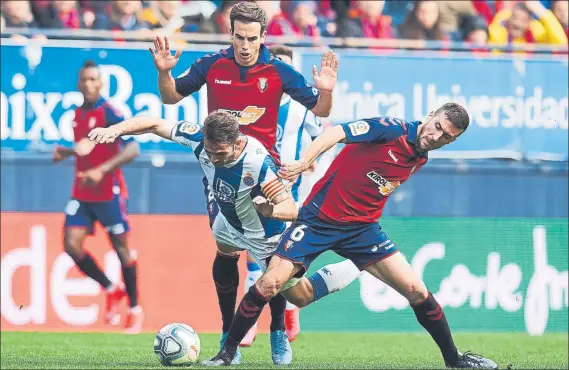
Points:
[(271, 185), (193, 78), (377, 130), (295, 85), (312, 125), (187, 134)]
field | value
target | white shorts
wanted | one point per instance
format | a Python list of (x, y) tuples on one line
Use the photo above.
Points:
[(260, 249)]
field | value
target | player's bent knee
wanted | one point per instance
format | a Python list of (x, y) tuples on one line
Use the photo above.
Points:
[(416, 293), (268, 286)]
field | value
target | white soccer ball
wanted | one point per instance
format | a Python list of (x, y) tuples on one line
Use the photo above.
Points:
[(177, 345)]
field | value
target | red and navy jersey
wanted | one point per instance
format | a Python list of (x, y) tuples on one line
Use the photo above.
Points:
[(101, 114), (252, 94), (379, 156)]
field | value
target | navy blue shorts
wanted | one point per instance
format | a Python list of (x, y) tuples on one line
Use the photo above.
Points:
[(309, 236), (112, 215), (212, 207)]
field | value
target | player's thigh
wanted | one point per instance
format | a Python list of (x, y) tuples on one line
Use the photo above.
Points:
[(112, 215), (73, 238), (396, 272), (224, 238)]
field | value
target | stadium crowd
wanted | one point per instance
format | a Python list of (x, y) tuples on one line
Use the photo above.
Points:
[(478, 21)]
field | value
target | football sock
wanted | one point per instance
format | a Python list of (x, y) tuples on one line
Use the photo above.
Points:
[(226, 278), (90, 268), (246, 316), (278, 307), (332, 278), (130, 282), (253, 274), (431, 316)]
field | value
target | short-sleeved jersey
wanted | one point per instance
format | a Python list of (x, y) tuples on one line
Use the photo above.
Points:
[(235, 185), (101, 114), (379, 156), (252, 94), (297, 127)]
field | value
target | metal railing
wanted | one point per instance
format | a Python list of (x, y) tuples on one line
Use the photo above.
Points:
[(321, 42)]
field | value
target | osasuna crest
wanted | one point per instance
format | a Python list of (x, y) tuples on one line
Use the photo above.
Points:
[(263, 84)]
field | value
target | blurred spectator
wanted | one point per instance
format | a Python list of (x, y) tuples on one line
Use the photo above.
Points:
[(62, 14), (561, 12), (120, 15), (423, 23), (18, 14), (518, 26), (366, 20), (2, 23), (297, 19), (451, 13), (274, 16), (219, 21), (474, 30), (164, 15)]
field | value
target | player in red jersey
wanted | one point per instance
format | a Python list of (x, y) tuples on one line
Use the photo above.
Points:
[(341, 215), (248, 82), (99, 194)]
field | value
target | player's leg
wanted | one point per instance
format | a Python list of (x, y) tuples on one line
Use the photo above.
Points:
[(384, 261), (225, 272), (79, 220), (253, 273), (113, 216)]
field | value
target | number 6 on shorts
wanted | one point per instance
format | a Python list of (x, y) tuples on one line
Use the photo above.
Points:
[(298, 233)]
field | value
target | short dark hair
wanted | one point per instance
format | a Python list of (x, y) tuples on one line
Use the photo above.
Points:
[(523, 7), (90, 64), (281, 50), (248, 12), (221, 128), (456, 114)]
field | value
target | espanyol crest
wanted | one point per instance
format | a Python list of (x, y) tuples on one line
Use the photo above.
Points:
[(263, 84)]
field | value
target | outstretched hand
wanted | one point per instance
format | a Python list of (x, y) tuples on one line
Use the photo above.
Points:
[(325, 80), (163, 58)]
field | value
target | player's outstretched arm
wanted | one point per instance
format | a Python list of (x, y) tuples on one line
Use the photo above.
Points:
[(325, 141), (325, 81), (164, 62), (132, 126)]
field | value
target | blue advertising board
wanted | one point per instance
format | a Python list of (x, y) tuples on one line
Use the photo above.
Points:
[(518, 106)]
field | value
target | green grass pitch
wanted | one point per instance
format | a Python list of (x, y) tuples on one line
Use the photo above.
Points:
[(311, 350)]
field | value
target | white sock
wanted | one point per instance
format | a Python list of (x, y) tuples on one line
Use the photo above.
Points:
[(252, 277), (135, 310), (290, 306), (332, 278)]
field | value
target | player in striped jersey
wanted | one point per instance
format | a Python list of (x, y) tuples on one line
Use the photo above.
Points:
[(243, 177), (296, 128)]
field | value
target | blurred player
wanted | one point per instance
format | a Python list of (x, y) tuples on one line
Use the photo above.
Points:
[(341, 215), (297, 126), (244, 177), (248, 82), (99, 194)]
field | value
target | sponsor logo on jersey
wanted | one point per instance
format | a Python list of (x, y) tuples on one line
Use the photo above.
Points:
[(189, 128), (358, 128), (385, 187), (263, 84), (248, 179), (223, 192), (248, 115)]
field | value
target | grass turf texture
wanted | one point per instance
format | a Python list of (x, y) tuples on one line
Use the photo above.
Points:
[(311, 350)]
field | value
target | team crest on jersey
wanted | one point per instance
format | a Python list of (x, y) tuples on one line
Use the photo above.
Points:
[(248, 179), (263, 84), (358, 128), (248, 115), (92, 122), (385, 187), (288, 245), (189, 128)]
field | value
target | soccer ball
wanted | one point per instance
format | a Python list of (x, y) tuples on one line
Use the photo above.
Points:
[(177, 345)]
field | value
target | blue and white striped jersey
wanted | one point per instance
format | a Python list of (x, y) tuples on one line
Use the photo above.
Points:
[(235, 185), (297, 127)]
